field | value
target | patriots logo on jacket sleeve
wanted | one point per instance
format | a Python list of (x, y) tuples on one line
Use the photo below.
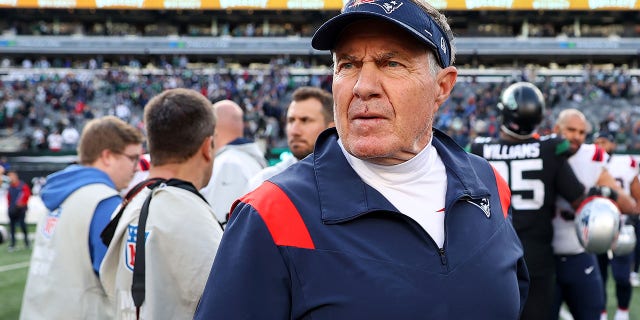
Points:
[(483, 204), (50, 224), (130, 246)]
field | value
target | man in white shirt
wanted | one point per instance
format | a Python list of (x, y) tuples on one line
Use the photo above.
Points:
[(577, 282), (624, 169), (181, 234), (70, 137), (310, 113), (237, 159)]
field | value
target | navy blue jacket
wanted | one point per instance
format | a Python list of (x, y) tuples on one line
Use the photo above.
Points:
[(316, 242)]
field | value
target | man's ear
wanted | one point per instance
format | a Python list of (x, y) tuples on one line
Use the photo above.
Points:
[(107, 157), (206, 148), (445, 79)]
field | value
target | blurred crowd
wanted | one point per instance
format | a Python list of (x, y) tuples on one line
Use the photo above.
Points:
[(44, 110), (609, 99), (48, 109)]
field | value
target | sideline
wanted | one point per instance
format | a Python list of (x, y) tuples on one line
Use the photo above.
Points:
[(14, 266)]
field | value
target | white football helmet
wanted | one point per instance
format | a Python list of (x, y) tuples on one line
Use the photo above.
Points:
[(626, 241), (597, 224)]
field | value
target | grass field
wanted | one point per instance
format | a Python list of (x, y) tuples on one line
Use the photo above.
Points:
[(13, 273), (14, 267)]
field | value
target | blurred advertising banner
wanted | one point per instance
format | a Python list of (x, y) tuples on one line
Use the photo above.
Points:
[(322, 4), (176, 4)]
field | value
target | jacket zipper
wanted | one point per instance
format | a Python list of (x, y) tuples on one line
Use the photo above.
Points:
[(441, 251), (443, 256)]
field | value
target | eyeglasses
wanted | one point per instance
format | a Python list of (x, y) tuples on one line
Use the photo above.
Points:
[(133, 158)]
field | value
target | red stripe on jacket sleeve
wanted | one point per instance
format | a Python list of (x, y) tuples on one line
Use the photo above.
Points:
[(504, 191), (280, 215), (598, 155)]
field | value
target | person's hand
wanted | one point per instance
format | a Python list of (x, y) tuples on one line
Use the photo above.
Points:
[(603, 191)]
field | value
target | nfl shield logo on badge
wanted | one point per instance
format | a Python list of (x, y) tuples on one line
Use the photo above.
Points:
[(130, 247), (50, 224)]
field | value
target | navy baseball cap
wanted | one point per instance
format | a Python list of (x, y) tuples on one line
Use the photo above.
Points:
[(403, 13), (611, 136)]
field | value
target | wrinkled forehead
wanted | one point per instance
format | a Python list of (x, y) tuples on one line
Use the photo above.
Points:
[(370, 32)]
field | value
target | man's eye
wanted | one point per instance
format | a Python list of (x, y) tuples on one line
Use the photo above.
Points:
[(346, 65), (393, 64)]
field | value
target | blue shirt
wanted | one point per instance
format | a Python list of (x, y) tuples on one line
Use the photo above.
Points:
[(101, 218)]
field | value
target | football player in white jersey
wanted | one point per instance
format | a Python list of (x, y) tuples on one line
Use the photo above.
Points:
[(579, 282), (624, 169)]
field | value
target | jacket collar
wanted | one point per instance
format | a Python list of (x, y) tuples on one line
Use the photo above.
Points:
[(334, 176)]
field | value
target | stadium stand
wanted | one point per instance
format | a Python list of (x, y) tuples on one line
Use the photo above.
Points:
[(39, 102), (60, 67)]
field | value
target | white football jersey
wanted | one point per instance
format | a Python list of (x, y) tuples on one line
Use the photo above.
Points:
[(623, 168), (587, 163)]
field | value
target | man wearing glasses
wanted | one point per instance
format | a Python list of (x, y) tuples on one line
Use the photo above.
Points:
[(63, 275)]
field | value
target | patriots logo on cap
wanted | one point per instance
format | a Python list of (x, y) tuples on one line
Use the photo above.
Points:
[(130, 247), (443, 45), (388, 6), (50, 225)]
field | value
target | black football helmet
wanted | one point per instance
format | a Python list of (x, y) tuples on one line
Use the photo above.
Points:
[(522, 108)]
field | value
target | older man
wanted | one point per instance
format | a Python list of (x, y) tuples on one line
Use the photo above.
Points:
[(388, 218)]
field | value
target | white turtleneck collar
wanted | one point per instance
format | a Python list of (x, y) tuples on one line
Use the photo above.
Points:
[(416, 187)]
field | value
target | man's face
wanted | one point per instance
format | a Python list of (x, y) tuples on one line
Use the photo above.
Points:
[(574, 129), (13, 177), (125, 165), (385, 92), (606, 144), (305, 122)]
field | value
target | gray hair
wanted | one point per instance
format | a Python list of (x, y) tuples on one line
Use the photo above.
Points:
[(442, 21)]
